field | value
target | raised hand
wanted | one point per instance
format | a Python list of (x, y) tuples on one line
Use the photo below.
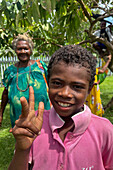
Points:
[(28, 126), (109, 57)]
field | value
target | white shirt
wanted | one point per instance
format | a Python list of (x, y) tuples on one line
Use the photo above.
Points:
[(97, 34)]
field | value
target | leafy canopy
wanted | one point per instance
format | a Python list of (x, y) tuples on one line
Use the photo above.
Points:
[(51, 23)]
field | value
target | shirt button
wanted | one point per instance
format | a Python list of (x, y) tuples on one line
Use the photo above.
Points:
[(61, 166)]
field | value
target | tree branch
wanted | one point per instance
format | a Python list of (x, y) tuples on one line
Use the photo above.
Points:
[(85, 10), (58, 45)]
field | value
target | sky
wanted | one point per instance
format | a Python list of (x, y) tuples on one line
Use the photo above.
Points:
[(110, 19)]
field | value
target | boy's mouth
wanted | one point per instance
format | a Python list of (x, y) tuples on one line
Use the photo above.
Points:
[(64, 104)]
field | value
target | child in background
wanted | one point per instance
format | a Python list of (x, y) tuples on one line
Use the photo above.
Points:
[(93, 99), (104, 33), (68, 136)]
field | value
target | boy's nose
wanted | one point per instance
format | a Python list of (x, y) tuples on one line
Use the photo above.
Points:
[(65, 92)]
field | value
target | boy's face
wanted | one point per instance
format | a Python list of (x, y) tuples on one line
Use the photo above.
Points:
[(68, 88)]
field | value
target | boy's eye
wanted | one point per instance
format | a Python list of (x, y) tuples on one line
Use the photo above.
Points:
[(56, 83), (78, 87)]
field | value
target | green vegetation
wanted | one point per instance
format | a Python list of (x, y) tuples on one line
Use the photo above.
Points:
[(106, 94), (1, 90), (7, 141), (52, 23)]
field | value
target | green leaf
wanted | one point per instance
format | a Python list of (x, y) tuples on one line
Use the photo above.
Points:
[(43, 14), (29, 15), (2, 35), (53, 4), (43, 3), (48, 3), (35, 11), (3, 5), (21, 2), (7, 13), (18, 17), (19, 6), (9, 5)]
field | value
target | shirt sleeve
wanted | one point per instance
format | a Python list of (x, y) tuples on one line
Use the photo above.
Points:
[(108, 149), (8, 76)]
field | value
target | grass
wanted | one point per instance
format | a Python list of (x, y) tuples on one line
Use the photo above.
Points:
[(106, 89), (7, 141)]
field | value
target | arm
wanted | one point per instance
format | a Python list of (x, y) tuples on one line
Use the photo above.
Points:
[(3, 104), (26, 129), (102, 70), (20, 160)]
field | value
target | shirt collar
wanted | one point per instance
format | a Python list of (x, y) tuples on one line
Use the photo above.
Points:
[(81, 120)]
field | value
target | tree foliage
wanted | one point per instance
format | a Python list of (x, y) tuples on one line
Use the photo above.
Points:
[(52, 23)]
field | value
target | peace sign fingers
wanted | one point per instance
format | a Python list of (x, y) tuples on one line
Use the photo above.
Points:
[(39, 118), (25, 107)]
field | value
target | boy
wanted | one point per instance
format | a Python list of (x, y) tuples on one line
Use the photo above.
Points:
[(68, 136)]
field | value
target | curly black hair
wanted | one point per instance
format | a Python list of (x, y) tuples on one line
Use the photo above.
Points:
[(74, 54)]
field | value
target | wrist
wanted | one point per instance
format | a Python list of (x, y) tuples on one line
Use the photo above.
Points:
[(21, 151), (109, 60), (18, 149)]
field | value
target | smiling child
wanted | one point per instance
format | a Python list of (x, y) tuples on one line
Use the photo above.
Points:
[(69, 136)]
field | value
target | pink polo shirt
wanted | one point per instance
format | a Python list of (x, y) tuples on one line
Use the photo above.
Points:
[(88, 147)]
